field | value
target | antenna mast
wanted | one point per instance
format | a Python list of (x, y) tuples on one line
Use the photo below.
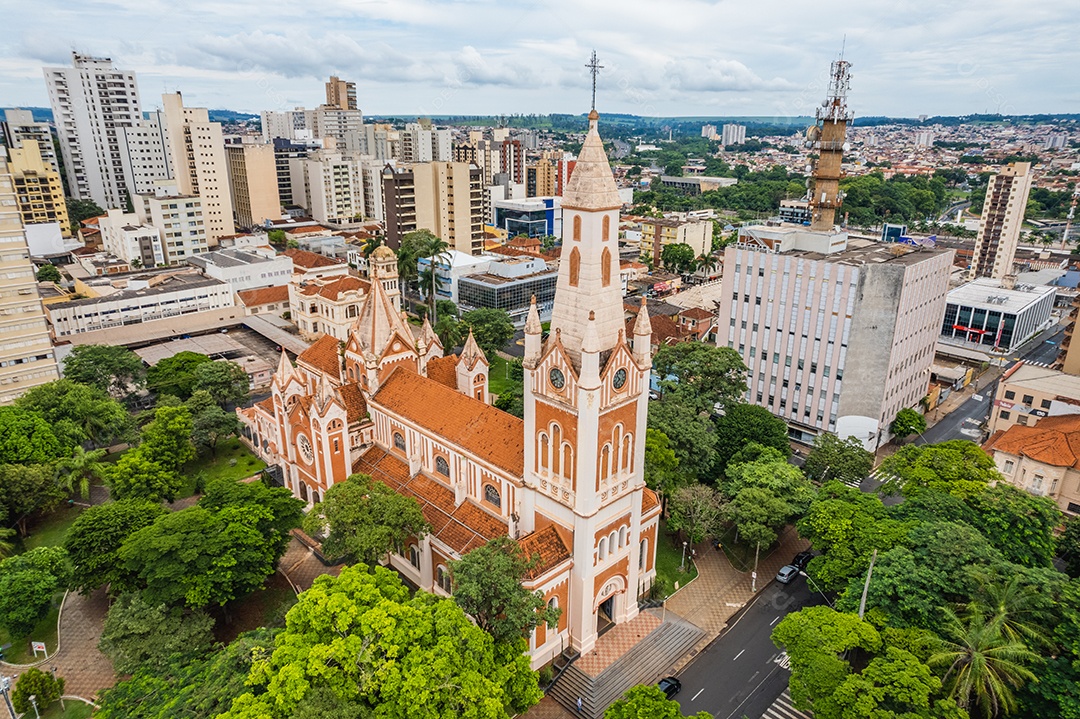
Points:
[(594, 67)]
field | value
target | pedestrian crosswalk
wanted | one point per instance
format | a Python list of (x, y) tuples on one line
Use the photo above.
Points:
[(878, 477), (783, 708), (1029, 363)]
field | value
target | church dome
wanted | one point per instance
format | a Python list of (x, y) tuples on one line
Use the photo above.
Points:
[(382, 252)]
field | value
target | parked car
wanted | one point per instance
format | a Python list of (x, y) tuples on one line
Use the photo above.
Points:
[(802, 559), (670, 686), (787, 573)]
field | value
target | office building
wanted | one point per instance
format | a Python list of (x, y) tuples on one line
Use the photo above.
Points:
[(341, 94), (509, 285), (197, 150), (19, 126), (26, 353), (996, 315), (656, 234), (443, 197), (533, 217), (247, 269), (697, 184), (732, 135), (1002, 215), (253, 183), (39, 191), (92, 103), (838, 335)]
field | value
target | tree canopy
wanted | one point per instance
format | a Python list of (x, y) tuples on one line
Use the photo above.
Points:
[(678, 257), (744, 423), (648, 702), (491, 328), (835, 458), (956, 467), (94, 540), (225, 381), (78, 413), (691, 434), (27, 438), (138, 635), (907, 422), (702, 377), (114, 369), (176, 375)]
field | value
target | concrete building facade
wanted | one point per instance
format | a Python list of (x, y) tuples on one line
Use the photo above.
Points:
[(179, 218), (996, 315), (656, 234), (19, 126), (253, 183), (1042, 459), (732, 134), (443, 197), (341, 93), (146, 155), (39, 190), (248, 269), (330, 185), (1027, 393), (1002, 215)]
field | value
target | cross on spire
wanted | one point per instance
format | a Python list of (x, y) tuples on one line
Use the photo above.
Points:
[(594, 67)]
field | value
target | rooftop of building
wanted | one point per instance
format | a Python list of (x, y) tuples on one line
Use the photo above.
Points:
[(1052, 440), (311, 260), (333, 289), (228, 258), (264, 295), (489, 278), (170, 283), (987, 292), (1043, 379)]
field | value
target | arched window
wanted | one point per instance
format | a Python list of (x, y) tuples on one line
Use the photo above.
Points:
[(577, 227), (350, 311), (556, 442), (643, 552), (605, 228), (313, 308), (399, 441), (545, 451), (622, 536), (491, 495), (478, 379), (442, 466), (443, 578), (602, 551), (627, 455), (605, 461), (414, 556), (612, 541), (605, 265), (553, 603), (568, 461), (350, 371), (575, 266), (615, 453)]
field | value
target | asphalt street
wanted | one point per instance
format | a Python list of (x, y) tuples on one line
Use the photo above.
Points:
[(742, 672)]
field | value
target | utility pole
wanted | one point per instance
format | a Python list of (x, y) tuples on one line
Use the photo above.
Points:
[(866, 586)]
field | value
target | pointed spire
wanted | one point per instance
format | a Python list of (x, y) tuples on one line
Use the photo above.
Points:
[(427, 334), (591, 185), (284, 368), (532, 322), (471, 352), (643, 326), (590, 341)]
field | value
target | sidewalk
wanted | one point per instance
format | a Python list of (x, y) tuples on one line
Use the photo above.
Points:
[(720, 590)]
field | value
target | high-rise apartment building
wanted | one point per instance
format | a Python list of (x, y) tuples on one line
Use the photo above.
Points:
[(341, 94), (181, 220), (732, 135), (443, 197), (285, 151), (145, 148), (26, 353), (288, 125), (336, 123), (838, 335), (425, 144), (19, 126), (709, 132), (38, 189), (253, 183), (540, 179), (92, 104), (330, 185), (197, 150), (1002, 216)]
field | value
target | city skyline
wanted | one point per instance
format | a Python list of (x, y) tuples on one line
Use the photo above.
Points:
[(420, 57)]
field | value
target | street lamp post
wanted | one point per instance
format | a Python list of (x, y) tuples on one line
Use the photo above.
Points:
[(5, 689), (682, 564), (817, 588), (33, 703)]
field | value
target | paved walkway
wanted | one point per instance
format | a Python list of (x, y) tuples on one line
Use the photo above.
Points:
[(720, 590), (301, 565), (617, 641), (86, 670)]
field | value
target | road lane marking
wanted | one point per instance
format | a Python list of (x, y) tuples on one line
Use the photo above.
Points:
[(698, 693), (774, 621), (738, 655)]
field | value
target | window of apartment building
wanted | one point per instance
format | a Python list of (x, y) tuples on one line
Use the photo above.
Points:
[(754, 328), (759, 397), (743, 323), (1053, 485), (1021, 419), (1008, 468), (813, 367), (761, 272), (1028, 400), (771, 399), (764, 354), (801, 365), (1045, 404), (757, 300), (1004, 414), (839, 374), (1009, 394), (776, 358)]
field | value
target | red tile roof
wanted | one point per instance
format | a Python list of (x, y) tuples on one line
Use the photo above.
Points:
[(461, 528), (311, 260), (491, 434), (1052, 440), (263, 296), (649, 500), (443, 370), (324, 355), (696, 313), (333, 289), (548, 547), (355, 404)]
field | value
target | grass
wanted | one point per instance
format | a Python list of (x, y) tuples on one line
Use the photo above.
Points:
[(50, 530), (741, 554), (75, 709), (45, 631), (499, 380), (669, 555), (221, 465)]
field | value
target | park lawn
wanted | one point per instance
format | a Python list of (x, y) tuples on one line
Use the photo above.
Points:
[(75, 710), (221, 466), (49, 531), (668, 558), (45, 631), (499, 380)]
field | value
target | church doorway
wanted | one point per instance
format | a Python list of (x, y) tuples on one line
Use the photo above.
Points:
[(605, 615)]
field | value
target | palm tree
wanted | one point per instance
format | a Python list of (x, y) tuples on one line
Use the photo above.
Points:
[(434, 248), (371, 244), (982, 665), (1018, 607), (79, 469)]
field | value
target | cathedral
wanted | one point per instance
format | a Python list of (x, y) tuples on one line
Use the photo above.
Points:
[(567, 481)]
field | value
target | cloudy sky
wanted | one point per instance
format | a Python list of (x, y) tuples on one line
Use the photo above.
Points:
[(662, 57)]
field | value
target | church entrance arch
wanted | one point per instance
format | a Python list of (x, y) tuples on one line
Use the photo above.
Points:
[(608, 604)]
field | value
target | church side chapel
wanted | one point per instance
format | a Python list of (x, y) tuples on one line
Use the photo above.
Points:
[(567, 481)]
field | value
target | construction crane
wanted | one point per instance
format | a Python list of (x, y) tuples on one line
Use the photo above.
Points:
[(1069, 217)]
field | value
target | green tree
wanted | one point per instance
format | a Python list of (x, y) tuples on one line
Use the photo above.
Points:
[(114, 369), (678, 258), (175, 375), (1019, 524), (134, 476), (512, 401), (78, 414), (285, 511), (49, 273), (835, 458), (225, 381), (488, 586), (77, 471), (758, 514), (199, 557), (696, 510), (210, 424), (956, 467), (94, 540), (435, 250), (411, 248), (907, 422), (138, 635), (1068, 546), (405, 657), (982, 666), (692, 436), (277, 237), (79, 210), (661, 465), (26, 438), (167, 439), (744, 423), (647, 702), (27, 584), (450, 331), (894, 686), (45, 688), (364, 519), (703, 377), (491, 328), (1023, 610), (26, 490)]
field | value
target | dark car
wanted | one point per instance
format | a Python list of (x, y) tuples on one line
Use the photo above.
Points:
[(802, 559), (670, 686), (787, 573)]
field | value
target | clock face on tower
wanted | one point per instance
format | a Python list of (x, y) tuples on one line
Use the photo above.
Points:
[(618, 381), (306, 451), (558, 380)]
